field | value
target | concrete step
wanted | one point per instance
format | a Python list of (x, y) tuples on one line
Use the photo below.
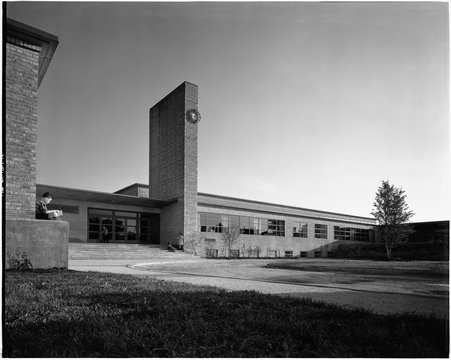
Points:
[(110, 251)]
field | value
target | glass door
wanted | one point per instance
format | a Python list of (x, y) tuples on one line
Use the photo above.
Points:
[(144, 234), (125, 229), (123, 226), (97, 220), (131, 229)]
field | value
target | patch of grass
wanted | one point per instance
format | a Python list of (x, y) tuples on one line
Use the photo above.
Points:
[(406, 251), (74, 314)]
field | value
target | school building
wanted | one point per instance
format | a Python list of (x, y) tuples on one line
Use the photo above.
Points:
[(167, 209), (170, 205)]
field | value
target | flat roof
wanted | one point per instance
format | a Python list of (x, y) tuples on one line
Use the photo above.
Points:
[(288, 207), (121, 199), (60, 192)]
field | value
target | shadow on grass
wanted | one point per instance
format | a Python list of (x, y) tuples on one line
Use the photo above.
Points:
[(70, 314)]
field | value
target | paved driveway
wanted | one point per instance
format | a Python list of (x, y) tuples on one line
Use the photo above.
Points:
[(420, 287)]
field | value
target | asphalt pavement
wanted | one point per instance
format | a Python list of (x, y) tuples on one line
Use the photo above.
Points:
[(388, 287)]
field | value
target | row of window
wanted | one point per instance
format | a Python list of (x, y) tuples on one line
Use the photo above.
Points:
[(212, 253), (355, 234), (211, 222)]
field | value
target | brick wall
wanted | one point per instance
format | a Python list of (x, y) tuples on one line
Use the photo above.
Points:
[(281, 244), (173, 162), (135, 190), (21, 91), (190, 178), (143, 192)]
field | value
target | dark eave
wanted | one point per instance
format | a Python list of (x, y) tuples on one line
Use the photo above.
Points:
[(33, 36), (59, 192)]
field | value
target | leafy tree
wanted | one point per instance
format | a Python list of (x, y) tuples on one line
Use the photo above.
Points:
[(392, 214), (230, 236)]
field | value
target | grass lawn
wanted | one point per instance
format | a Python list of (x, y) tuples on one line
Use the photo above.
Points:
[(76, 314), (438, 269)]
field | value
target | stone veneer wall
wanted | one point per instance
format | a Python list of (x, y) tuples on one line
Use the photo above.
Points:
[(21, 95), (173, 163)]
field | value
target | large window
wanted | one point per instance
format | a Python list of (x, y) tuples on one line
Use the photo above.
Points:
[(320, 231), (244, 225), (354, 234), (210, 222), (123, 226), (276, 227), (300, 229)]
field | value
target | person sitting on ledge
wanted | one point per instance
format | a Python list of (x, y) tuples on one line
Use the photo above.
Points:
[(41, 208), (170, 247)]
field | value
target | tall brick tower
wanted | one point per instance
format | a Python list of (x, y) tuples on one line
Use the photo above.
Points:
[(173, 162), (28, 52)]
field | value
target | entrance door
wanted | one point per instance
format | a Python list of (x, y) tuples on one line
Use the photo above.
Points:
[(97, 220), (125, 229), (123, 226), (149, 228), (144, 233)]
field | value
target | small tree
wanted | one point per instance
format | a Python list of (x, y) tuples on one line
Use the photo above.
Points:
[(392, 214), (230, 236)]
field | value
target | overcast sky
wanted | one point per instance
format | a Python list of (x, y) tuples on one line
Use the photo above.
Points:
[(303, 104)]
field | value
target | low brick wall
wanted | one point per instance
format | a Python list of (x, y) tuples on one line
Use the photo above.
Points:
[(44, 241)]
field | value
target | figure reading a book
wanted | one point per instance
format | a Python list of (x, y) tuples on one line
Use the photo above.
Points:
[(41, 208)]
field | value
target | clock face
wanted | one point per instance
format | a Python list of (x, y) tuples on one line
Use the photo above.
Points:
[(193, 116)]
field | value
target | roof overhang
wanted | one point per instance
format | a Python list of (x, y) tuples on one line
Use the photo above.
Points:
[(65, 193), (226, 202), (33, 36)]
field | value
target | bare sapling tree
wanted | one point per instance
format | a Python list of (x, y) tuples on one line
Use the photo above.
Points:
[(392, 214), (230, 236)]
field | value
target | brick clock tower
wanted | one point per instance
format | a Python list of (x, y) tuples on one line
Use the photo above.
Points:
[(173, 163)]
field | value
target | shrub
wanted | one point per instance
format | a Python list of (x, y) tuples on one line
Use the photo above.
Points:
[(20, 261)]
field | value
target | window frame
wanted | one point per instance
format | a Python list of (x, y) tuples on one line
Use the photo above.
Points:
[(248, 225), (303, 229), (321, 231)]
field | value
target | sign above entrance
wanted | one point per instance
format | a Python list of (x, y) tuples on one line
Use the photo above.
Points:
[(192, 116)]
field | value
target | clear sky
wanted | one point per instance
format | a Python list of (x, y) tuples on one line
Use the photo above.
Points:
[(304, 104)]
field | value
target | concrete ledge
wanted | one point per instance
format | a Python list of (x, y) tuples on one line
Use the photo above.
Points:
[(45, 242)]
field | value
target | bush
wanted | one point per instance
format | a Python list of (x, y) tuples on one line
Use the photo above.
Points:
[(20, 261)]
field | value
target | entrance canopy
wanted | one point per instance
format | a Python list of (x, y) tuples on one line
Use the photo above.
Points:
[(60, 193)]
